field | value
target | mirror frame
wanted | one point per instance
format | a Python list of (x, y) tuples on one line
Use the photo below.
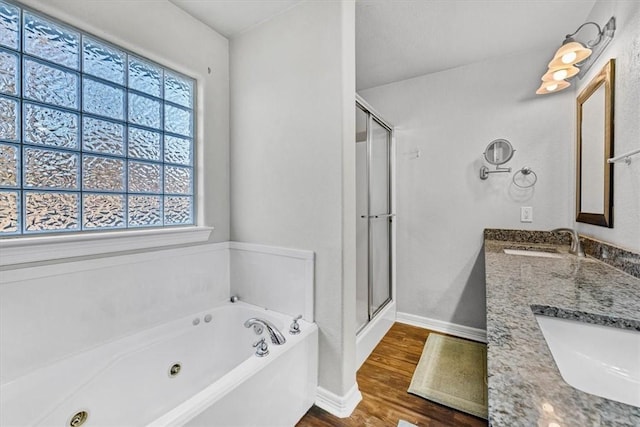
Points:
[(604, 77)]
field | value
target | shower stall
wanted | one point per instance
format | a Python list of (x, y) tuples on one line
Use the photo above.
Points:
[(375, 311)]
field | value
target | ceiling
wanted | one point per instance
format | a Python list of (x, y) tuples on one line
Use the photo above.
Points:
[(396, 40), (401, 39), (232, 17)]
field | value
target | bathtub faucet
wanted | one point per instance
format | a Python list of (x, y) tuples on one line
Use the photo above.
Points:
[(259, 324)]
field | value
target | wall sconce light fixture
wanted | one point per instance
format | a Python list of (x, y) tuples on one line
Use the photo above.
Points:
[(574, 58)]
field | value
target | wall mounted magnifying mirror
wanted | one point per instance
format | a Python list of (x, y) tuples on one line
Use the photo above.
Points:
[(594, 130), (498, 152)]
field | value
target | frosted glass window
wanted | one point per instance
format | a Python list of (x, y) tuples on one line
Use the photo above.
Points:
[(9, 25), (103, 173), (50, 84), (9, 118), (103, 61), (51, 169), (9, 72), (177, 120), (50, 41), (177, 180), (9, 165), (145, 77), (102, 99), (144, 144), (9, 212), (92, 136), (51, 126), (177, 150), (178, 210), (144, 211), (145, 177), (102, 136), (103, 211), (144, 111), (51, 211), (178, 89)]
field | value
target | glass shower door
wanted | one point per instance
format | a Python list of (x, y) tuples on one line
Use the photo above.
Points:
[(362, 223), (379, 216), (373, 204)]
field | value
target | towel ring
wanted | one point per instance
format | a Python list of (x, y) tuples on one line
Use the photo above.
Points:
[(525, 178)]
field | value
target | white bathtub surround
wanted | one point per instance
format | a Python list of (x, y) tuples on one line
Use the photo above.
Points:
[(51, 312), (340, 406), (279, 279), (436, 325), (127, 381), (73, 331), (369, 337), (277, 394)]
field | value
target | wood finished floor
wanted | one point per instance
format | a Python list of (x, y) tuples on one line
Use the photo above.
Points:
[(383, 381)]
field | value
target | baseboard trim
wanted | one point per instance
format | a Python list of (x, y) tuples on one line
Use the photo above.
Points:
[(340, 406), (461, 331)]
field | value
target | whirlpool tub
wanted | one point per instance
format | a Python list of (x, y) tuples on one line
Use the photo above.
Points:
[(200, 370)]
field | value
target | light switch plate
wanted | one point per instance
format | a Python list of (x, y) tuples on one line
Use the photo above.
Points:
[(526, 214)]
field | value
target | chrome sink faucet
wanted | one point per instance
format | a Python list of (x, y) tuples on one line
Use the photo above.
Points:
[(259, 324), (576, 246)]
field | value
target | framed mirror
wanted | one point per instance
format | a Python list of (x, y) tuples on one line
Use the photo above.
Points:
[(594, 130)]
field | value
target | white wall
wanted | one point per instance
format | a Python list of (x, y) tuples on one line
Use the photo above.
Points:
[(625, 48), (54, 311), (293, 158), (164, 33), (442, 205)]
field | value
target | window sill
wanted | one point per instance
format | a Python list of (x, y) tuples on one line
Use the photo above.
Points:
[(45, 248)]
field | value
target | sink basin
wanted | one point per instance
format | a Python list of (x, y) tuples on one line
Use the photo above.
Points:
[(527, 252), (596, 359)]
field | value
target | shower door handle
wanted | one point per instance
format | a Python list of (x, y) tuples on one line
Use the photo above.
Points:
[(378, 216)]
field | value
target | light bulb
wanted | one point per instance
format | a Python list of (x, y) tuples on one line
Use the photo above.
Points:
[(560, 75), (552, 86), (569, 57)]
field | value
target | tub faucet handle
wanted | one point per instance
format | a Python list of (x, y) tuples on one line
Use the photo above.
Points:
[(294, 329), (262, 348)]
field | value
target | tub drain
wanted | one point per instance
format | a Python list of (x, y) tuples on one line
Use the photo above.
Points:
[(78, 419), (174, 370)]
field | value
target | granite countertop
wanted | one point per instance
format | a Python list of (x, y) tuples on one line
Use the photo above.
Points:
[(525, 386)]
